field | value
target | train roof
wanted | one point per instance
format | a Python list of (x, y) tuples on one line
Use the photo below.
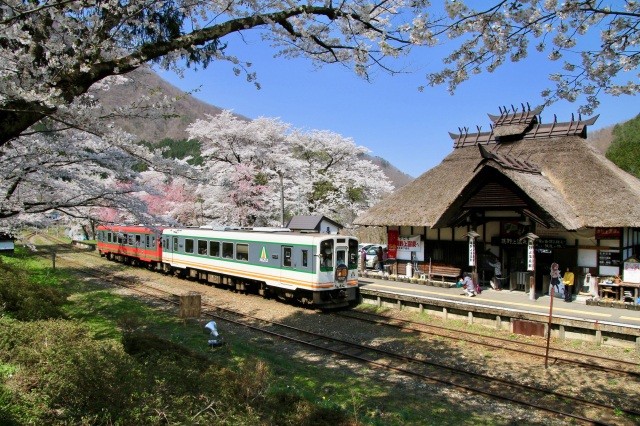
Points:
[(132, 228), (248, 233)]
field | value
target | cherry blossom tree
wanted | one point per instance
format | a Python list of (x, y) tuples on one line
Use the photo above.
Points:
[(336, 180), (596, 41), (53, 51), (257, 168), (66, 172), (169, 200)]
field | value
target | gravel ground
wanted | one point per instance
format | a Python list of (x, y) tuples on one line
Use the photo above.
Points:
[(498, 363)]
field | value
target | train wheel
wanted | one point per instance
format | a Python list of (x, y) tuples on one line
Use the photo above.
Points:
[(264, 291)]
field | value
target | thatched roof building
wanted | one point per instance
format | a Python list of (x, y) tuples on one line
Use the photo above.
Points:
[(549, 173), (522, 179)]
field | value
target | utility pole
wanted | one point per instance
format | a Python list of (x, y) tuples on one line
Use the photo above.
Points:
[(281, 197)]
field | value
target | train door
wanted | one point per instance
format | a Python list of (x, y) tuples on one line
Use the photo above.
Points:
[(327, 258), (342, 270), (169, 244)]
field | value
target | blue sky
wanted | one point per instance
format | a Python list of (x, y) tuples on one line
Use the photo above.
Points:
[(388, 115)]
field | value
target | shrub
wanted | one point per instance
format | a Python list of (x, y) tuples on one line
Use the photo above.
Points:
[(25, 300)]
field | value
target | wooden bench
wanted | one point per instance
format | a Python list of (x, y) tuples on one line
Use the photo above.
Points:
[(442, 271)]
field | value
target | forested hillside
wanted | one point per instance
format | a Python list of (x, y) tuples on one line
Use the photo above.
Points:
[(625, 146), (185, 110)]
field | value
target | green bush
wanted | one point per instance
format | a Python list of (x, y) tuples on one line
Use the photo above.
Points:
[(25, 300), (64, 376)]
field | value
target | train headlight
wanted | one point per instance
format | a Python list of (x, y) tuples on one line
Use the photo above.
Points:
[(341, 273)]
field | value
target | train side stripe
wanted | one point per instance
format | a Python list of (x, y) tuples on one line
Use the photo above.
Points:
[(259, 276)]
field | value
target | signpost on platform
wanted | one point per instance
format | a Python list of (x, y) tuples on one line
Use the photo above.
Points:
[(531, 263), (472, 254)]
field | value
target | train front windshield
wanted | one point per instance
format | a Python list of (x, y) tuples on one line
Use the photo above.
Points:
[(332, 254), (326, 255)]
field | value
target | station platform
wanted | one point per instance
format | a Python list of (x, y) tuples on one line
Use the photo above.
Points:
[(508, 305)]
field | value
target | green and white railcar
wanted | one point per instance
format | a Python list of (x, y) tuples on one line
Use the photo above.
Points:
[(311, 268)]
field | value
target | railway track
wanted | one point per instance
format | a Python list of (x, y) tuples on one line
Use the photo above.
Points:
[(546, 400), (556, 355)]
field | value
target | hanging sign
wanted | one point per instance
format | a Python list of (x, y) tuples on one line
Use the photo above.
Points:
[(392, 246), (410, 248), (607, 233)]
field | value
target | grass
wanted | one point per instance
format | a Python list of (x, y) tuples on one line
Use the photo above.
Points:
[(250, 383)]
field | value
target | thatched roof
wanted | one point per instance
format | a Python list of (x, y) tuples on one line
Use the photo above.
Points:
[(574, 184)]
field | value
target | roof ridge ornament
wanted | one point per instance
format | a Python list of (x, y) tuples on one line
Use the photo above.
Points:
[(514, 126)]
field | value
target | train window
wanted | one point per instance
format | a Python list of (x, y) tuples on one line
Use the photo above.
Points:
[(147, 241), (188, 245), (165, 244), (130, 239), (214, 248), (175, 244), (109, 237), (227, 250), (202, 247), (138, 239), (121, 238), (326, 255), (242, 251), (286, 257), (305, 258), (340, 257)]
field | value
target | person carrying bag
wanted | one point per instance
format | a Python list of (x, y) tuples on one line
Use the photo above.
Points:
[(555, 277)]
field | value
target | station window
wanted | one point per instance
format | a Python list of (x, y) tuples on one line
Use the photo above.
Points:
[(188, 245), (286, 257), (214, 248), (202, 247), (242, 251), (227, 250)]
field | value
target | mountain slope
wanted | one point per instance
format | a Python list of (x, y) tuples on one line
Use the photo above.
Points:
[(187, 109)]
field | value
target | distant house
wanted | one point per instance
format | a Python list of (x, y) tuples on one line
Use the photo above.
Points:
[(315, 223), (7, 242)]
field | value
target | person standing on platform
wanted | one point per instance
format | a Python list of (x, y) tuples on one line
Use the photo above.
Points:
[(385, 257), (555, 277), (567, 280), (497, 273), (380, 261)]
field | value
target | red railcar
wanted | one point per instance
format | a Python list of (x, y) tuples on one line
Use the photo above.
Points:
[(131, 244)]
